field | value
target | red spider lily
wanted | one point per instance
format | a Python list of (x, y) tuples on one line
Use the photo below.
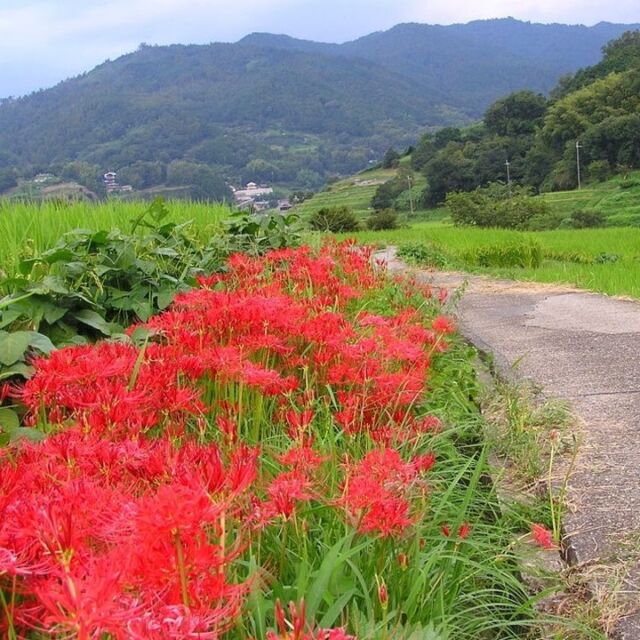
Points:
[(542, 536), (285, 492), (379, 491), (299, 422), (297, 629), (463, 530), (302, 458), (128, 519), (443, 325)]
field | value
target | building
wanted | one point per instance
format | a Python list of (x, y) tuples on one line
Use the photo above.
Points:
[(250, 194), (110, 180), (111, 184), (44, 177)]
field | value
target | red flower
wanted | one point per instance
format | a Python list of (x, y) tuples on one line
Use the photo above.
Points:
[(542, 536), (443, 325)]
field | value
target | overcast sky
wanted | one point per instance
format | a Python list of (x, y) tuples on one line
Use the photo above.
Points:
[(45, 41)]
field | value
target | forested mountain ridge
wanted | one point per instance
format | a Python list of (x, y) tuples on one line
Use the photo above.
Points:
[(273, 108)]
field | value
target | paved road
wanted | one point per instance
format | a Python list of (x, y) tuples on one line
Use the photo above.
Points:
[(584, 348)]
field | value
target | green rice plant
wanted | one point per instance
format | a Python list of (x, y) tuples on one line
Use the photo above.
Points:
[(525, 255)]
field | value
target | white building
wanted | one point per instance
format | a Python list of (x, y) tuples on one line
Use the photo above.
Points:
[(251, 193)]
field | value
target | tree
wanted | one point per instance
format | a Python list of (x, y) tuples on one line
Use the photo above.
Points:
[(496, 206), (518, 114), (449, 170), (205, 183), (8, 179), (391, 159), (616, 140), (386, 193)]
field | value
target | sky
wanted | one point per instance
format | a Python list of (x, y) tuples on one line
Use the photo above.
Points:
[(45, 41)]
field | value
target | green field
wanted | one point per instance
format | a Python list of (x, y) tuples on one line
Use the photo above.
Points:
[(618, 199), (355, 192), (30, 227), (604, 260)]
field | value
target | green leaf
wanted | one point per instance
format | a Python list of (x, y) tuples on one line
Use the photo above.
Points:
[(18, 369), (13, 346), (28, 433), (9, 420), (41, 342), (54, 313), (334, 611), (55, 284), (165, 298), (143, 310), (94, 320), (8, 316)]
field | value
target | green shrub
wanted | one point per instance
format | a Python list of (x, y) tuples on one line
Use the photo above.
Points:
[(629, 184), (587, 219), (599, 170), (496, 206), (568, 256), (606, 258), (425, 254), (525, 254), (257, 233), (334, 220), (382, 220), (545, 222)]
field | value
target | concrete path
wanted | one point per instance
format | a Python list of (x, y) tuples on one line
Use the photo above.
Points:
[(584, 348)]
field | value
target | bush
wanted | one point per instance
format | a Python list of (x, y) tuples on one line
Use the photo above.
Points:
[(525, 254), (599, 170), (545, 222), (629, 184), (425, 254), (334, 220), (496, 206), (381, 220), (587, 219)]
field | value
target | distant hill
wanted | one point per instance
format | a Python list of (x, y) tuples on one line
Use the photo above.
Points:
[(471, 65), (273, 108)]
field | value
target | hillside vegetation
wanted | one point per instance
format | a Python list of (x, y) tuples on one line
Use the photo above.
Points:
[(271, 108)]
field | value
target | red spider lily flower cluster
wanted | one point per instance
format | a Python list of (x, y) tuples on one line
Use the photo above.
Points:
[(542, 536), (130, 518), (296, 628)]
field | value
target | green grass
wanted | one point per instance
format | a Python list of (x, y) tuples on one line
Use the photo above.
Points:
[(614, 278), (620, 205), (350, 192), (30, 227)]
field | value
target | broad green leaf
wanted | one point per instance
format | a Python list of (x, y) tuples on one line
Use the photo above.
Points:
[(143, 310), (93, 319), (18, 369), (55, 284), (28, 433), (53, 313), (41, 342), (8, 316), (165, 298), (9, 420), (101, 269), (13, 346)]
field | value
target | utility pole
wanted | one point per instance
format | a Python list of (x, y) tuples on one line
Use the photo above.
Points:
[(508, 165), (578, 147), (410, 195)]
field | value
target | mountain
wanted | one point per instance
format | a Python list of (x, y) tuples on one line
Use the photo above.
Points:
[(271, 107), (471, 65)]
